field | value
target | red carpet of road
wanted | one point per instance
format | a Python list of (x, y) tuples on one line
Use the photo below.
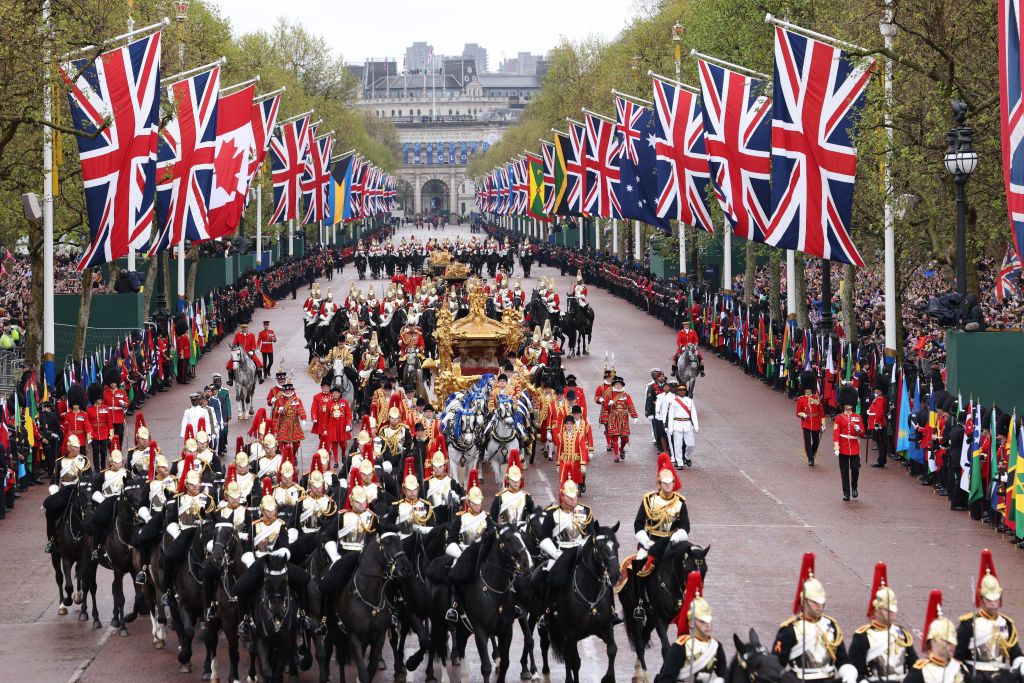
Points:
[(750, 496)]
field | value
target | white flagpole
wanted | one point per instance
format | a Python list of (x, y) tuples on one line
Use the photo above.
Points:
[(131, 249), (259, 218), (291, 237), (615, 236), (791, 284), (727, 255), (888, 29), (48, 312), (637, 239)]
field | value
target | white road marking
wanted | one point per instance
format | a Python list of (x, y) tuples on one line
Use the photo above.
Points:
[(86, 662)]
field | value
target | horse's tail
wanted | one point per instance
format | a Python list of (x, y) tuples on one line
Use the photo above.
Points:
[(558, 643)]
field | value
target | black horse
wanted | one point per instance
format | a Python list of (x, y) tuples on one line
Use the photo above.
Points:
[(489, 598), (584, 602), (225, 563), (188, 606), (424, 603), (752, 663), (662, 592), (578, 324), (276, 615), (71, 555), (117, 552), (535, 312), (363, 607)]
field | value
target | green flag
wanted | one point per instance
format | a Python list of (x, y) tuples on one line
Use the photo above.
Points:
[(562, 144), (536, 172), (976, 490)]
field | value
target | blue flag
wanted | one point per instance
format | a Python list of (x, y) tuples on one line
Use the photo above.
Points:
[(903, 421), (914, 451), (637, 190)]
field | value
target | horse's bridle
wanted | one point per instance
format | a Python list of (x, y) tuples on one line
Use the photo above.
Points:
[(604, 581)]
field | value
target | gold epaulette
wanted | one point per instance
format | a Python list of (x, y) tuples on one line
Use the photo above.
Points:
[(553, 506), (681, 640), (789, 622), (921, 663), (863, 629), (968, 617)]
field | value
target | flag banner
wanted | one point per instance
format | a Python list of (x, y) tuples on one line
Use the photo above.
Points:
[(738, 136), (232, 161), (119, 93), (520, 187), (538, 188), (601, 165), (637, 189), (1011, 114), (576, 178), (817, 96), (682, 160), (287, 157), (903, 417), (316, 175), (1008, 277), (185, 161), (340, 204)]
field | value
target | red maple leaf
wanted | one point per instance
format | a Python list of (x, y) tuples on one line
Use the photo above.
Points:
[(227, 165)]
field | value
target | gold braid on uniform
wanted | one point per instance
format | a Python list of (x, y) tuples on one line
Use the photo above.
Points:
[(660, 516), (833, 645)]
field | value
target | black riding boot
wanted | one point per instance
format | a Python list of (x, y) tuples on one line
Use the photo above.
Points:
[(231, 378)]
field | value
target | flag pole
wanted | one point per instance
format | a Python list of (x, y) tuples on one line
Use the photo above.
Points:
[(782, 23), (634, 98), (596, 115), (267, 96), (238, 86), (163, 23), (259, 219), (728, 65), (294, 118), (48, 301), (192, 72), (678, 84)]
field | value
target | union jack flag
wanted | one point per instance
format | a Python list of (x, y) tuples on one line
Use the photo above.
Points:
[(185, 160), (548, 163), (1009, 274), (315, 176), (355, 192), (521, 187), (575, 171), (602, 168), (683, 171), (817, 95), (371, 191), (737, 132), (122, 87), (1011, 109), (264, 118), (504, 197), (287, 154)]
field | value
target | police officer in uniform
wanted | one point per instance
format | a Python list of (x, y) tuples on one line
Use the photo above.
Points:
[(882, 650), (810, 644)]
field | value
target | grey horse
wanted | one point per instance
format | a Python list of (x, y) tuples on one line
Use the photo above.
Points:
[(245, 380), (688, 367)]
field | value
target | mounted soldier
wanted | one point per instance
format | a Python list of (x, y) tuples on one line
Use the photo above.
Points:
[(67, 475), (464, 540), (107, 487), (987, 639), (882, 650), (941, 643), (513, 504), (696, 656), (440, 490)]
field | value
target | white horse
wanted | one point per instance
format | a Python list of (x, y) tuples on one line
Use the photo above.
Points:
[(503, 433), (340, 379), (688, 367), (460, 432), (245, 380)]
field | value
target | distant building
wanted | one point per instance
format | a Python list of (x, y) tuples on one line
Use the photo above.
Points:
[(478, 54), (524, 64), (417, 55)]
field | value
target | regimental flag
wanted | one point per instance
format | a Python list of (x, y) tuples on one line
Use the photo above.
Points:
[(339, 203), (185, 161), (818, 94), (601, 164), (683, 171), (737, 133), (1011, 110), (576, 177), (976, 488), (537, 188), (1008, 277), (232, 162), (637, 189), (120, 88), (315, 177), (287, 155)]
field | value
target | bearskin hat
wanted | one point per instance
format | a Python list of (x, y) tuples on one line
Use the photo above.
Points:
[(111, 374), (882, 383), (847, 395), (94, 392), (76, 396), (808, 381)]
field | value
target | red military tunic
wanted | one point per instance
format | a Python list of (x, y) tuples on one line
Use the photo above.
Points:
[(247, 341), (616, 411), (287, 412), (846, 433), (117, 399), (77, 423), (572, 451), (411, 338), (272, 394), (337, 425), (184, 347), (101, 422), (686, 336), (318, 411), (600, 394), (581, 399), (810, 412), (266, 340), (876, 414)]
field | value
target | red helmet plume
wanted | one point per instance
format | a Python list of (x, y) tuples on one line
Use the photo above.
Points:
[(268, 486), (933, 612), (152, 462), (230, 474), (985, 566), (881, 579), (186, 467), (806, 572), (694, 589)]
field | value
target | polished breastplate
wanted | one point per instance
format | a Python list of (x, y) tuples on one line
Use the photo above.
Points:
[(511, 507), (662, 515), (266, 536), (113, 482), (354, 529)]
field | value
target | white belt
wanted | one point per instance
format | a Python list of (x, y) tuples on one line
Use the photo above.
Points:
[(570, 544), (814, 674), (352, 546), (989, 666), (848, 436)]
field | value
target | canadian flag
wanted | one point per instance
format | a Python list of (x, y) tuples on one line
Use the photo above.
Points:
[(235, 147)]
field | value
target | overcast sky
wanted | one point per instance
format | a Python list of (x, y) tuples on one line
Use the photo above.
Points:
[(360, 29)]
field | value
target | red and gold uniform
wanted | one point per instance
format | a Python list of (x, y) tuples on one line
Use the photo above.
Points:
[(338, 426), (318, 412), (411, 338), (288, 414), (617, 410), (847, 430), (571, 451), (76, 422), (245, 340)]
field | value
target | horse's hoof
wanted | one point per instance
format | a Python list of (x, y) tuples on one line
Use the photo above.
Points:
[(78, 598), (250, 679), (159, 643), (207, 675), (97, 624), (66, 602), (123, 632), (82, 616), (115, 622), (62, 610), (130, 617), (525, 675), (185, 668)]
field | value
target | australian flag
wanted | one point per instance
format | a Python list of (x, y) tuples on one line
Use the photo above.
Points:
[(637, 189)]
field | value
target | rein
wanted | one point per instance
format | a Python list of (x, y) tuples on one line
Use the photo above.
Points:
[(604, 584)]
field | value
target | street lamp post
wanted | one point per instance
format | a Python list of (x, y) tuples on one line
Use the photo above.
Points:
[(961, 160)]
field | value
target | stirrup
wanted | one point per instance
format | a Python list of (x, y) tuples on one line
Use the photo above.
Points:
[(452, 615), (95, 557), (140, 578), (639, 613), (49, 547)]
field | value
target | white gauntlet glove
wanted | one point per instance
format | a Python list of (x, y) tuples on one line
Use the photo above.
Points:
[(644, 539), (848, 673), (678, 536)]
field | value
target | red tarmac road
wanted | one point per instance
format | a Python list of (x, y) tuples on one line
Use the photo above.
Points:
[(750, 496)]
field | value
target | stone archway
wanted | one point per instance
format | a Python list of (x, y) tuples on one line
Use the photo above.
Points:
[(435, 196)]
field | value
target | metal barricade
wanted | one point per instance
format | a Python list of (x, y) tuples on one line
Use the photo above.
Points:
[(11, 365)]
